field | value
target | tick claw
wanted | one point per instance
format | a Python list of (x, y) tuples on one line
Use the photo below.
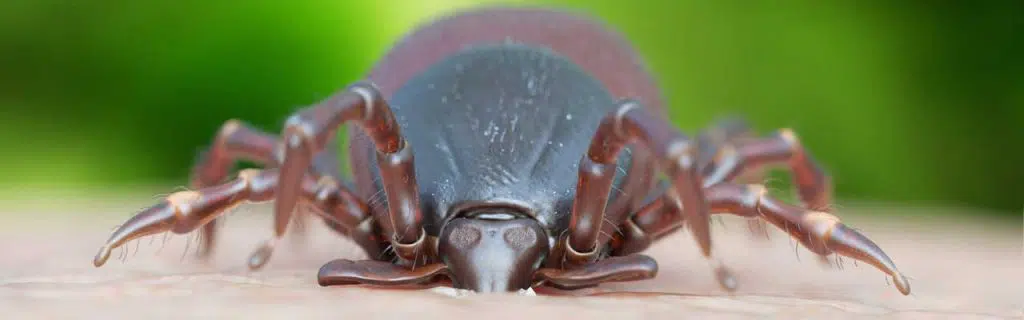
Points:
[(726, 279), (902, 284), (260, 257), (101, 256)]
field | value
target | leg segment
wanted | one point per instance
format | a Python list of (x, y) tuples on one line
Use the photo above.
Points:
[(725, 132), (306, 134), (721, 133), (673, 153), (634, 190), (185, 211), (733, 160), (654, 221), (234, 141)]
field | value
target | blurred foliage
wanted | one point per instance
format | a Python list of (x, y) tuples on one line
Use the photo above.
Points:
[(905, 101)]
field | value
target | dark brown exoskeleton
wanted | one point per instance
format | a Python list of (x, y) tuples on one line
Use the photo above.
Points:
[(498, 106)]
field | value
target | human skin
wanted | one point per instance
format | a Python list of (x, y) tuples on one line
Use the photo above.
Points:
[(963, 268)]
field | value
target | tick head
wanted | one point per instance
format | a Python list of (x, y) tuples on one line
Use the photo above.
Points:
[(493, 252)]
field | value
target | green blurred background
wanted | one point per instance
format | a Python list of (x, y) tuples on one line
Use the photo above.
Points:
[(913, 102)]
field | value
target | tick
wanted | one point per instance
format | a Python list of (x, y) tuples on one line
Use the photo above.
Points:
[(500, 149)]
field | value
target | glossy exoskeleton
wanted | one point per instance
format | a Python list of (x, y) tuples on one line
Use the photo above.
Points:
[(539, 141)]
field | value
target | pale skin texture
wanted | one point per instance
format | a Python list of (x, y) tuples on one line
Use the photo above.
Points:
[(963, 268)]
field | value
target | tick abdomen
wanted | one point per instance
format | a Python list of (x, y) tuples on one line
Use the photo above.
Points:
[(501, 123), (584, 41)]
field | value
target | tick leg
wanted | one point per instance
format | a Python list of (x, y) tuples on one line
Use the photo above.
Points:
[(379, 273), (727, 131), (733, 160), (653, 222), (234, 141), (819, 232), (306, 134), (674, 154), (612, 269), (633, 193), (183, 212), (731, 131)]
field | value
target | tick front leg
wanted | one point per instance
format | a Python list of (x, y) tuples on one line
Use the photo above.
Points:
[(674, 154), (183, 212), (306, 134)]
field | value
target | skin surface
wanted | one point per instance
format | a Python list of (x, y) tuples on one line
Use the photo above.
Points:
[(962, 268)]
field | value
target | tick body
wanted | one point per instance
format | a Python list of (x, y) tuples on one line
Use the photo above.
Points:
[(501, 149)]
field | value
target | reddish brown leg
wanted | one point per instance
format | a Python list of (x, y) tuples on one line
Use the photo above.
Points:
[(183, 212), (733, 160), (306, 134), (725, 132), (673, 153), (234, 141), (820, 232), (751, 155), (653, 222), (634, 191)]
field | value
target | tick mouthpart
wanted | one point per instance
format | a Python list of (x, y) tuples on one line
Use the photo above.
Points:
[(493, 252)]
